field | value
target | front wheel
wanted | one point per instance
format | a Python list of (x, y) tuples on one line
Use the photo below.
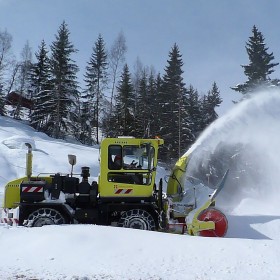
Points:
[(137, 219), (44, 216)]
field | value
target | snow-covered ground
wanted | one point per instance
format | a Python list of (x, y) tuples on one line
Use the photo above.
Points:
[(250, 250)]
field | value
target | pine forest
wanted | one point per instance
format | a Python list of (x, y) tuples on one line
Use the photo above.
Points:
[(112, 100)]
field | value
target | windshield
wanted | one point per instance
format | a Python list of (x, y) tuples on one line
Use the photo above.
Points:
[(138, 157), (131, 157)]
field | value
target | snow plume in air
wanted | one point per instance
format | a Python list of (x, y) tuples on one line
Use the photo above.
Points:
[(247, 142)]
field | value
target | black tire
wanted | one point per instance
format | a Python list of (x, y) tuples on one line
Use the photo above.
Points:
[(137, 219), (44, 216)]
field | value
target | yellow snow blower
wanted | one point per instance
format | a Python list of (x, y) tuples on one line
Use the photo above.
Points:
[(125, 194)]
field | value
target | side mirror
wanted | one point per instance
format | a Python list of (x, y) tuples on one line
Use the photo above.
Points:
[(72, 159)]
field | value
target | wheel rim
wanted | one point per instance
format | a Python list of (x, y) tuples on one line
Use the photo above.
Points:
[(216, 216), (43, 221), (137, 219), (44, 216), (137, 223)]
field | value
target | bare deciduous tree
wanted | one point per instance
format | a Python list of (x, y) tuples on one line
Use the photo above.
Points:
[(23, 80), (116, 60), (5, 55)]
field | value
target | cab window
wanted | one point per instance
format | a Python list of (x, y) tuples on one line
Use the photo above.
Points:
[(115, 157), (138, 157)]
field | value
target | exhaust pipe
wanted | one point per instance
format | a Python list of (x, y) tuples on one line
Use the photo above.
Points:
[(29, 156)]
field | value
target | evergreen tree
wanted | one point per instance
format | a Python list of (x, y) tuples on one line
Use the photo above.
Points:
[(260, 64), (109, 123), (187, 132), (155, 85), (96, 79), (86, 124), (208, 105), (125, 100), (151, 129), (64, 85), (171, 98), (193, 107), (145, 104), (136, 80), (41, 89)]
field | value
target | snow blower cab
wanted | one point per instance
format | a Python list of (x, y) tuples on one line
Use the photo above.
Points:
[(128, 168)]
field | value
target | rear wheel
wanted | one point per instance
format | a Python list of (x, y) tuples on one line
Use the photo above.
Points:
[(44, 216), (137, 219), (216, 216)]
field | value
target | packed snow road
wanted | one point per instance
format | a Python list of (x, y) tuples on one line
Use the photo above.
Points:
[(96, 252)]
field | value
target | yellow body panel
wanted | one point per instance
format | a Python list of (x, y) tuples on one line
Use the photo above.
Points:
[(12, 191), (195, 226), (176, 180)]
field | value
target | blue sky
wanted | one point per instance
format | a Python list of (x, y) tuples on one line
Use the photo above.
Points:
[(211, 35)]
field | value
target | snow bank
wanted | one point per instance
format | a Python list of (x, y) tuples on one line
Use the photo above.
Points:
[(18, 142), (96, 252)]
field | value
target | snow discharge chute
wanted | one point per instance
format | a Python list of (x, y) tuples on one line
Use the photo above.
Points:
[(193, 205)]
